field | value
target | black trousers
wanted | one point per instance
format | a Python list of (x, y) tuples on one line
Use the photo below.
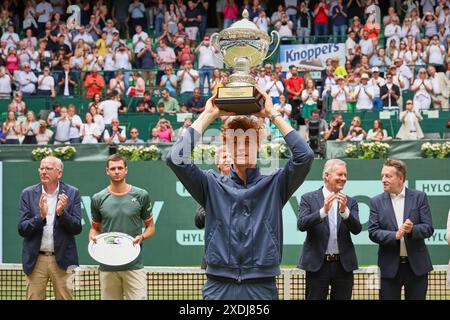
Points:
[(330, 274), (415, 286)]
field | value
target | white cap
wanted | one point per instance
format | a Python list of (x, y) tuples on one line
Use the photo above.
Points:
[(375, 69)]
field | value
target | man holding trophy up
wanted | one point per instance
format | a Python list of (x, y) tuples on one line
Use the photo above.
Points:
[(243, 224)]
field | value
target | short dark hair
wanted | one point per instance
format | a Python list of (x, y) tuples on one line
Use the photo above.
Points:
[(115, 158), (399, 165)]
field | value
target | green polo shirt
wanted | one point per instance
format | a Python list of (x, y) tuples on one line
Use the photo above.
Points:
[(170, 105)]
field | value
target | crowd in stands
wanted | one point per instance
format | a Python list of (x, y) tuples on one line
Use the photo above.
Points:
[(159, 53)]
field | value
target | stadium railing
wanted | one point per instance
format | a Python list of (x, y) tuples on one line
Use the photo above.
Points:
[(185, 283)]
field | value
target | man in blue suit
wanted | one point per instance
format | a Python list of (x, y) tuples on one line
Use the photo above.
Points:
[(49, 219), (400, 221), (329, 216)]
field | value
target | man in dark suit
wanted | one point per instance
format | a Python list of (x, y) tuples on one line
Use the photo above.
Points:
[(329, 216), (390, 93), (49, 219), (400, 221)]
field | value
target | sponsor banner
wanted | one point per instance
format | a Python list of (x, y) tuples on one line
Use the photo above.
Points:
[(311, 56)]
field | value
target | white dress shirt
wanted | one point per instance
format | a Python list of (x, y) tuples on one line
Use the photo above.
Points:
[(47, 243), (398, 202), (332, 221)]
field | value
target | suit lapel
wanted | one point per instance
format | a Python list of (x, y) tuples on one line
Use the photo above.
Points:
[(338, 218), (390, 209), (408, 204), (320, 200)]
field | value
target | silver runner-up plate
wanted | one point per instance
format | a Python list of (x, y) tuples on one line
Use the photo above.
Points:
[(114, 249)]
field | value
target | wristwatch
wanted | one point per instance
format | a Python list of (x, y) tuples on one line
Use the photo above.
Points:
[(274, 115)]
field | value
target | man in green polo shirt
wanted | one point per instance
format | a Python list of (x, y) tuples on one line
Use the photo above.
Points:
[(121, 207), (170, 104)]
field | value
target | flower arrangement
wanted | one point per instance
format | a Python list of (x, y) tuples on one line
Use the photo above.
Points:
[(435, 150), (368, 150), (204, 152), (40, 153), (65, 153), (140, 153), (274, 150)]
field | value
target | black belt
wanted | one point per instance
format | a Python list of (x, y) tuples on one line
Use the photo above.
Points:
[(47, 253), (404, 260), (243, 281), (331, 257)]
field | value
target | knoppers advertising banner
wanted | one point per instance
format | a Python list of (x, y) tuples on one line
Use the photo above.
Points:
[(311, 56)]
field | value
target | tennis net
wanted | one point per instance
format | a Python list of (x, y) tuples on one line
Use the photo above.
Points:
[(185, 283)]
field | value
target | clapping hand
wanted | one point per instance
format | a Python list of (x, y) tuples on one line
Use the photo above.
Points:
[(61, 204)]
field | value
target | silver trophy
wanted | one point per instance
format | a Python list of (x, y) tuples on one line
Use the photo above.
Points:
[(241, 47)]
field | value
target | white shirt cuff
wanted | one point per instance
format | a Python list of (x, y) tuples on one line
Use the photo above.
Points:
[(322, 214), (346, 214)]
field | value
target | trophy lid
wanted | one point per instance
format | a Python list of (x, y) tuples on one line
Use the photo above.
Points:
[(245, 25)]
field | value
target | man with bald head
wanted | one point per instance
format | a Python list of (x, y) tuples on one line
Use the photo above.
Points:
[(49, 220)]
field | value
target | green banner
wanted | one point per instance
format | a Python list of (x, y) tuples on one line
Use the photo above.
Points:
[(178, 243)]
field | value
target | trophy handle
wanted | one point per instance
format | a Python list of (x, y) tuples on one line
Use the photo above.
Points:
[(215, 44), (274, 35)]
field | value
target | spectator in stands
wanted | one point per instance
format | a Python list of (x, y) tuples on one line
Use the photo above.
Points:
[(304, 23), (377, 132), (154, 138), (188, 80), (328, 82), (139, 41), (186, 124), (409, 29), (165, 58), (139, 85), (170, 104), (262, 21), (310, 97), (205, 63), (410, 128), (335, 130), (46, 84), (114, 134), (67, 81), (12, 60), (376, 82), (355, 132), (97, 118), (389, 93), (146, 104), (121, 17), (55, 113), (364, 94), (339, 16), (89, 131), (340, 92), (192, 20), (83, 35), (75, 124), (117, 83), (315, 131), (94, 83), (44, 134), (159, 16), (2, 136), (350, 44), (169, 81), (321, 20), (27, 80), (165, 35), (171, 18), (230, 13), (62, 126), (274, 88), (146, 57), (393, 30), (380, 60), (123, 58), (422, 89), (435, 52), (12, 39), (136, 10), (217, 80), (134, 137), (440, 88), (11, 129), (366, 45), (285, 27), (400, 81), (165, 130), (429, 22), (29, 14), (43, 11), (30, 128), (5, 83), (111, 107), (197, 103)]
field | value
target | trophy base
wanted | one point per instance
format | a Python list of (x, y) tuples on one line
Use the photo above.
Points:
[(240, 100)]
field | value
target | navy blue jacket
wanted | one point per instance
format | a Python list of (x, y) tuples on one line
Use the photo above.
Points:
[(244, 228), (383, 227), (318, 233), (65, 227)]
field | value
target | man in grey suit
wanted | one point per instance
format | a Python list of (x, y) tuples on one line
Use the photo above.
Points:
[(329, 216), (49, 219), (400, 221)]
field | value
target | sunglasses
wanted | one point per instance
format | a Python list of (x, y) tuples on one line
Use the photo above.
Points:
[(409, 103)]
